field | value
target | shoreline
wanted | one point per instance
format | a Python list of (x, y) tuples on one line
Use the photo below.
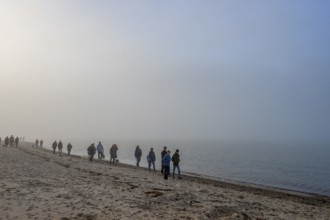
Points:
[(35, 184), (192, 176), (242, 169)]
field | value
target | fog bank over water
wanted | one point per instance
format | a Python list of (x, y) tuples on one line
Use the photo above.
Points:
[(215, 71)]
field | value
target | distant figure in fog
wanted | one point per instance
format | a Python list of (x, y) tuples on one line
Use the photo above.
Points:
[(69, 147), (113, 153), (16, 141), (6, 141), (176, 161), (100, 151), (41, 143), (138, 154), (151, 159), (37, 143), (91, 150), (166, 164), (163, 153), (54, 146), (60, 146), (11, 140)]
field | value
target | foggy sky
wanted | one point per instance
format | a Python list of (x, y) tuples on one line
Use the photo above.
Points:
[(185, 70)]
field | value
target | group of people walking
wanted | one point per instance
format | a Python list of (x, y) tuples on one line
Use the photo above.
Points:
[(166, 161), (10, 141), (91, 151), (59, 146), (38, 144), (166, 158)]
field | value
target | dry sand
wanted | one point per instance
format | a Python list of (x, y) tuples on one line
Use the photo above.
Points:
[(35, 184)]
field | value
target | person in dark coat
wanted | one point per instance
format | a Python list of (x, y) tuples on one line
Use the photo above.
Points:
[(54, 146), (138, 154), (151, 159), (91, 150), (11, 140), (69, 147), (176, 161), (16, 141), (113, 153), (6, 141), (60, 147)]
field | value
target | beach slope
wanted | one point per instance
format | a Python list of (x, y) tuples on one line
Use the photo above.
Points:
[(35, 184)]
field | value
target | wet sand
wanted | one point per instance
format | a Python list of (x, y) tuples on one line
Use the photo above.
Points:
[(35, 184)]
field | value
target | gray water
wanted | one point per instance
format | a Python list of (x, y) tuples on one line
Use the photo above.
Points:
[(300, 167)]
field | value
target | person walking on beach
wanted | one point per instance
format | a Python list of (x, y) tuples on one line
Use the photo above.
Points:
[(166, 164), (6, 141), (16, 141), (54, 146), (138, 154), (151, 159), (11, 140), (100, 151), (91, 150), (176, 161), (41, 143), (113, 153), (163, 153), (69, 147), (37, 143), (60, 146)]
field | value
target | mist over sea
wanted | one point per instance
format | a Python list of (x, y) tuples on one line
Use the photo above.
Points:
[(288, 165)]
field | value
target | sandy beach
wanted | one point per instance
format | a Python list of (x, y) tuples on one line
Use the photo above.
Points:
[(35, 184)]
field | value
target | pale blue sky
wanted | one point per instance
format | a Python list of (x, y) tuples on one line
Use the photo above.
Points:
[(196, 70)]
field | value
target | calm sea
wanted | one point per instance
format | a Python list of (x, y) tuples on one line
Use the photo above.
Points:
[(294, 166)]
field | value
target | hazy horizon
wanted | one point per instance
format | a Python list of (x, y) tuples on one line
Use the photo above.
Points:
[(169, 70)]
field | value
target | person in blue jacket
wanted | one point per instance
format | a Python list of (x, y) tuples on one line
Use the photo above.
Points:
[(166, 164), (100, 151)]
